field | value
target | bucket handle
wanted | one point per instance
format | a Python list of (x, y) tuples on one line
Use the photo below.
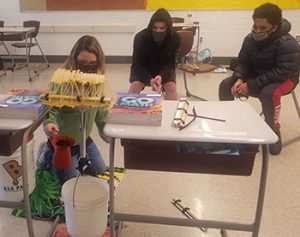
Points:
[(73, 198)]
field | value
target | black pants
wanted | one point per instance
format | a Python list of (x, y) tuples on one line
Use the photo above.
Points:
[(269, 96)]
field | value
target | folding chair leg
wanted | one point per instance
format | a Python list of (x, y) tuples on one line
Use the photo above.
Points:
[(36, 72), (46, 60), (3, 74), (298, 112), (188, 93), (296, 103), (27, 61), (223, 233)]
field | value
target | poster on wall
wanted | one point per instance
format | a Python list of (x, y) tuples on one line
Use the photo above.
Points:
[(77, 5)]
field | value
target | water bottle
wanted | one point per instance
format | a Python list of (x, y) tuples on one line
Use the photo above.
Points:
[(189, 17)]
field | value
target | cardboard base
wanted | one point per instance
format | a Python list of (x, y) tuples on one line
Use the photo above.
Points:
[(197, 67), (61, 231)]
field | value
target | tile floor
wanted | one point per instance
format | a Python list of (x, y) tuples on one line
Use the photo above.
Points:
[(209, 196)]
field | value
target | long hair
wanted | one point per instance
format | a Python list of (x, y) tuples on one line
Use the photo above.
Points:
[(90, 44)]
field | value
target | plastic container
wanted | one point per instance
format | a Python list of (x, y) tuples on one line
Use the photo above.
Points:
[(189, 18), (11, 171), (86, 209)]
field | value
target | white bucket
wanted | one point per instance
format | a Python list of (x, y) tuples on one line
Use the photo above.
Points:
[(11, 183), (88, 215)]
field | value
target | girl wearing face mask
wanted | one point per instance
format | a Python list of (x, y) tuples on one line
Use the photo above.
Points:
[(88, 57), (154, 56), (267, 66)]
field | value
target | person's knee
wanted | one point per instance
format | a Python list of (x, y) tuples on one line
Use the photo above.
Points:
[(97, 165), (268, 95), (170, 90), (225, 90)]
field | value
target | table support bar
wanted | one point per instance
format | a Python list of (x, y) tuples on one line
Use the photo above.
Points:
[(111, 184), (183, 222)]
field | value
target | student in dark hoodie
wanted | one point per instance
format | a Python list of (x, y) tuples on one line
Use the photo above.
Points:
[(154, 56), (267, 67)]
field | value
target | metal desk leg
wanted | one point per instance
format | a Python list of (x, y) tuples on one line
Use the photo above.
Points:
[(111, 185), (53, 227), (262, 189), (198, 40), (25, 183)]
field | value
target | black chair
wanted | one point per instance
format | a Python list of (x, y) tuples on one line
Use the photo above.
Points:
[(29, 42), (177, 19)]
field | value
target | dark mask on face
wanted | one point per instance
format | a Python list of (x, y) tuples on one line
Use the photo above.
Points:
[(88, 68), (260, 36), (159, 36)]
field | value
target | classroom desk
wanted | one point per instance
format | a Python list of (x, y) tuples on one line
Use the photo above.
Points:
[(18, 130), (239, 129), (17, 34), (185, 25)]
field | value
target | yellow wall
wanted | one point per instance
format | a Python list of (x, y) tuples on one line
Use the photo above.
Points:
[(217, 4)]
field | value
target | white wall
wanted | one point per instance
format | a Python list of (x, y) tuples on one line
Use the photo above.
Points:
[(222, 31)]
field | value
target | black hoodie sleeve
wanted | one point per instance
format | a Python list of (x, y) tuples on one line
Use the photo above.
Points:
[(243, 63), (139, 69)]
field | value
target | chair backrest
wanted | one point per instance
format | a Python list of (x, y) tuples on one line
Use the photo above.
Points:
[(35, 24), (1, 23), (192, 29), (177, 19), (186, 43)]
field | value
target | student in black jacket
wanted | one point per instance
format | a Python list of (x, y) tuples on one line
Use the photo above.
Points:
[(267, 67), (154, 56)]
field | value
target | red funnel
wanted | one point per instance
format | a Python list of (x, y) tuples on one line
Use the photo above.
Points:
[(62, 158)]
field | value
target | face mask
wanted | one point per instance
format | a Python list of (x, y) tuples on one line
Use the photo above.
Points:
[(260, 36), (159, 36), (88, 68)]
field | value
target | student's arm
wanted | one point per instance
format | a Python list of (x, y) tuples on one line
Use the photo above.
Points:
[(139, 70), (243, 63), (100, 121), (50, 124)]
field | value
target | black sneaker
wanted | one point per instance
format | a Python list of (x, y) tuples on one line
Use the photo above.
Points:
[(276, 148)]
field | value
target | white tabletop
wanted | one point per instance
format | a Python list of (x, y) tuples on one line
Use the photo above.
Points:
[(14, 124), (16, 29), (243, 125)]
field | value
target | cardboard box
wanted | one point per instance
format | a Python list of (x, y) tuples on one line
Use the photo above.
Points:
[(10, 141)]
